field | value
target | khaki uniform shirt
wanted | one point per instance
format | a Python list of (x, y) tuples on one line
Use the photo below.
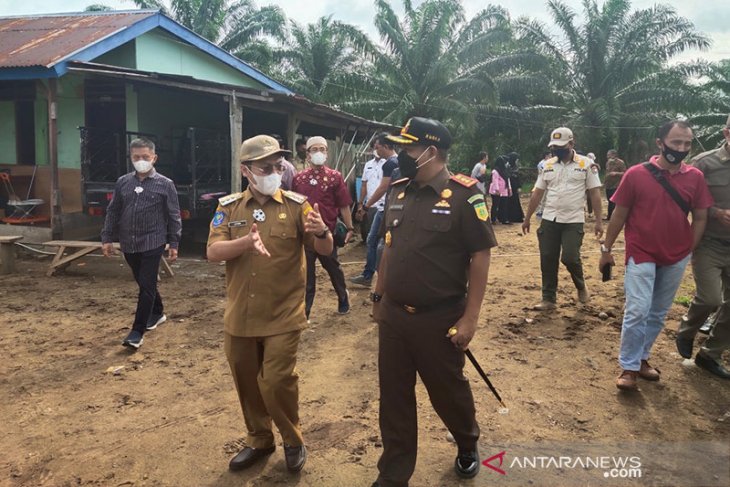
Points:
[(614, 165), (265, 295), (431, 232), (715, 165), (566, 186)]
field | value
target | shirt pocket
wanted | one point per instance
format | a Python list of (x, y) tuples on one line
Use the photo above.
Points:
[(719, 178), (283, 231), (576, 176), (437, 223), (549, 176), (394, 217)]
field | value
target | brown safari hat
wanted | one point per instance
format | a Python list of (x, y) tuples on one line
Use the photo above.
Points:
[(260, 147)]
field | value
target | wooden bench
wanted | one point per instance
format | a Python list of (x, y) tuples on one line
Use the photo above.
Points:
[(7, 254), (84, 248)]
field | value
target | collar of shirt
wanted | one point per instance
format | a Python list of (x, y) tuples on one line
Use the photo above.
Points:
[(152, 175), (683, 168), (248, 196), (725, 155), (437, 183)]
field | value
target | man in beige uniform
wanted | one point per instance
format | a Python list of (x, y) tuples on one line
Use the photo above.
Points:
[(711, 267), (261, 234)]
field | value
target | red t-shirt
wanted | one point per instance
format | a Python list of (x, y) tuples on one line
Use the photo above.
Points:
[(657, 229), (325, 187)]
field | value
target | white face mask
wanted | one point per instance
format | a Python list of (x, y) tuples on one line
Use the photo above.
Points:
[(142, 166), (267, 185), (318, 158)]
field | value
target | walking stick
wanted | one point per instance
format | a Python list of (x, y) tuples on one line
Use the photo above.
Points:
[(470, 356)]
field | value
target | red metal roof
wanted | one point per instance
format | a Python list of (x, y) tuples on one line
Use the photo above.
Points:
[(46, 39)]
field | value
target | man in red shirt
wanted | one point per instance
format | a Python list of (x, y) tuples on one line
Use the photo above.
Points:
[(659, 241), (326, 187)]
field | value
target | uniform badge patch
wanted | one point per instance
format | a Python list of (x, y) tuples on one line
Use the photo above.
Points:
[(259, 215), (218, 218), (239, 223), (480, 209), (306, 208), (594, 169), (401, 196), (446, 194), (282, 216), (388, 238), (474, 198), (442, 204)]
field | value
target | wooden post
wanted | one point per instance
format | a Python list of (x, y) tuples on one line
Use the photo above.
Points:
[(55, 203), (7, 254), (235, 115)]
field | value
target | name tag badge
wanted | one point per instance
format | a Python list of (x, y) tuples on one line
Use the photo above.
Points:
[(396, 207), (239, 223), (138, 189)]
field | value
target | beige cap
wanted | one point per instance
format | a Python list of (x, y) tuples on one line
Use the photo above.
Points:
[(260, 147), (316, 140), (560, 137)]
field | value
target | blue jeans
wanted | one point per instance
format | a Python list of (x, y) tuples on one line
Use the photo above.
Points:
[(371, 261), (649, 290)]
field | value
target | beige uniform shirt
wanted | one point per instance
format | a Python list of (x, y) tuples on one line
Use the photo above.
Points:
[(265, 295), (715, 165), (566, 185)]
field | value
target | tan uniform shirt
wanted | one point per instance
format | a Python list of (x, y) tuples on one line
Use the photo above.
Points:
[(715, 165), (265, 295), (614, 165), (431, 232), (566, 186)]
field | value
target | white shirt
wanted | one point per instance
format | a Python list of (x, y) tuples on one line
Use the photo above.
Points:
[(480, 169), (372, 173), (566, 185)]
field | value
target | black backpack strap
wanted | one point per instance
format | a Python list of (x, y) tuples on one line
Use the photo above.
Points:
[(657, 173)]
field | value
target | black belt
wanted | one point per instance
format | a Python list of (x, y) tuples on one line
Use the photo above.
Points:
[(429, 307)]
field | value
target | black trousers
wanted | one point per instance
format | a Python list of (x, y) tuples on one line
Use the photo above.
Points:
[(500, 209), (332, 266), (611, 205), (145, 267)]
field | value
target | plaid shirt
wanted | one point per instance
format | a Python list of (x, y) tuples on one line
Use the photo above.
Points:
[(143, 215)]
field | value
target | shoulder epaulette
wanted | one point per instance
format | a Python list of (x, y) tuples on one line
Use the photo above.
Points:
[(401, 180), (464, 180), (228, 199), (296, 197)]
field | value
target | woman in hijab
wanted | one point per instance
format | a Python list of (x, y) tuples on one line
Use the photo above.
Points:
[(514, 207), (500, 190)]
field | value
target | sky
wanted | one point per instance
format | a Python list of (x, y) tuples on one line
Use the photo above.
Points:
[(708, 17)]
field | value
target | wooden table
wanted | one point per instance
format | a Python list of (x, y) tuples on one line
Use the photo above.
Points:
[(7, 254), (84, 248)]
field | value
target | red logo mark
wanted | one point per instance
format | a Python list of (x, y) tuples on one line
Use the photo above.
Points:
[(487, 463)]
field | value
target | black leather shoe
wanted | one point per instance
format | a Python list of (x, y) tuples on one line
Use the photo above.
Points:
[(711, 366), (684, 347), (295, 457), (467, 464), (248, 456)]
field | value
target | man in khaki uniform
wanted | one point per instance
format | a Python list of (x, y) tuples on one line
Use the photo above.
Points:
[(711, 266), (261, 234), (564, 181), (432, 277)]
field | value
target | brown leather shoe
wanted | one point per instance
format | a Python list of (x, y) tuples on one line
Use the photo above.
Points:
[(295, 457), (544, 306), (248, 456), (647, 372), (583, 295), (627, 380)]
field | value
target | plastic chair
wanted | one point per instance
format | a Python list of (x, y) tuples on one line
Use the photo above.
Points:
[(22, 209)]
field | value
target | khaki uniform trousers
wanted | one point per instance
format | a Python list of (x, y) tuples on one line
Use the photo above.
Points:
[(263, 371), (410, 344), (711, 269)]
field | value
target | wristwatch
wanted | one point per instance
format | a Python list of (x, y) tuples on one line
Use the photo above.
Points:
[(323, 234), (375, 297), (605, 249)]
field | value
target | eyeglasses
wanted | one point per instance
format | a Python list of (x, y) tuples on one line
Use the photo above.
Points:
[(317, 149), (268, 168)]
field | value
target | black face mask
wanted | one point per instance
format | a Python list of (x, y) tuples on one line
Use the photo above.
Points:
[(560, 152), (673, 156), (408, 165)]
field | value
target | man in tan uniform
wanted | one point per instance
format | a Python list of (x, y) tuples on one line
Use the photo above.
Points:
[(711, 267), (261, 234)]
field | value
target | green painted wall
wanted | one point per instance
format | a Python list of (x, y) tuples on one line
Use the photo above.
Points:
[(124, 56), (71, 116), (163, 53), (41, 129), (8, 154)]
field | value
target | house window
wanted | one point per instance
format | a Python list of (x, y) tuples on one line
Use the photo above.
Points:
[(22, 95)]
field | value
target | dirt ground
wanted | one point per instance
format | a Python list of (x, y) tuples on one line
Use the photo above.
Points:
[(169, 416)]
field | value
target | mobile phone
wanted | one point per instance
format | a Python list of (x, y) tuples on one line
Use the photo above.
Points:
[(606, 271)]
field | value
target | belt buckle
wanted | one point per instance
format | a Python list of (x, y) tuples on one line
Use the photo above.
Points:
[(410, 309)]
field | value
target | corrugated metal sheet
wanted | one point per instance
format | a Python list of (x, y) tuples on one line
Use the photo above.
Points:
[(44, 40)]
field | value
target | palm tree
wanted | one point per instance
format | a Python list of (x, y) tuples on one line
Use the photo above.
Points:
[(239, 27), (717, 92), (325, 59), (612, 71), (98, 7), (439, 64)]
